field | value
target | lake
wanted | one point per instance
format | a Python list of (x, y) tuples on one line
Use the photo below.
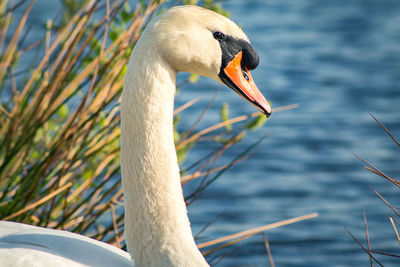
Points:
[(340, 61)]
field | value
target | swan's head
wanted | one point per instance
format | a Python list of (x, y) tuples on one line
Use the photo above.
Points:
[(196, 40)]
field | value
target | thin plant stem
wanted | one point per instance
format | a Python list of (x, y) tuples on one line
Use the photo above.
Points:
[(257, 230)]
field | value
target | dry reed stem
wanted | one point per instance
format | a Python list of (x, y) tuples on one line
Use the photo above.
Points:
[(38, 203), (87, 183), (186, 105), (363, 248), (114, 220), (196, 136), (74, 84), (12, 45), (368, 243), (211, 160), (5, 112), (386, 202), (202, 114), (395, 229), (386, 130), (211, 163), (4, 24), (377, 171), (97, 144), (385, 253), (268, 249), (227, 244), (257, 230), (198, 174), (63, 34), (372, 170)]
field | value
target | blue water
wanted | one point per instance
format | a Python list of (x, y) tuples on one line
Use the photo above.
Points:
[(340, 61)]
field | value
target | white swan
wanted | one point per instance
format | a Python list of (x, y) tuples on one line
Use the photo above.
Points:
[(157, 229)]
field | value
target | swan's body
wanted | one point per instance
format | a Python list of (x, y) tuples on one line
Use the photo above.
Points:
[(26, 245), (157, 228)]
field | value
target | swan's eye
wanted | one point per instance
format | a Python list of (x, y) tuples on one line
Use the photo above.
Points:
[(218, 35)]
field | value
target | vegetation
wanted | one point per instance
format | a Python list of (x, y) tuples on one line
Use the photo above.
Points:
[(393, 218)]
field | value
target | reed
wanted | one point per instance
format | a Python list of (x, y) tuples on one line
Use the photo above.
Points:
[(59, 135), (393, 219)]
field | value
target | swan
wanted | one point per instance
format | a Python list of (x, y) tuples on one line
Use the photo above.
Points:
[(157, 229)]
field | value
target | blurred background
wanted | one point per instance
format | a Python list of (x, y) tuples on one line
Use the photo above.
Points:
[(340, 61)]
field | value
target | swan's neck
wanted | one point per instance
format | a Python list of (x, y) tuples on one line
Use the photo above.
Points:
[(157, 227)]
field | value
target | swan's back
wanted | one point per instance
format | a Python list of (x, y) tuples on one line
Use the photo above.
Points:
[(25, 245)]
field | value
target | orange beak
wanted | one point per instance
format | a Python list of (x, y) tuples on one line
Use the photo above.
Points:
[(240, 80)]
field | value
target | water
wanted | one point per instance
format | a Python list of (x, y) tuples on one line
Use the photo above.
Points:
[(340, 60)]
